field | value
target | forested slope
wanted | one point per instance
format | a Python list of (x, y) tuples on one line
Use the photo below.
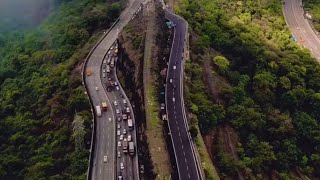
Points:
[(265, 87), (45, 117)]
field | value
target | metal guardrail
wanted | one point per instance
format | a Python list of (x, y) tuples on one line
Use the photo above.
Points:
[(89, 171)]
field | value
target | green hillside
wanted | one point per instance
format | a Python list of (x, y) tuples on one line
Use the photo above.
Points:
[(41, 93), (267, 88)]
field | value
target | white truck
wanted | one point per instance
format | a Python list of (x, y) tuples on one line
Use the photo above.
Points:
[(131, 148), (130, 124), (98, 110)]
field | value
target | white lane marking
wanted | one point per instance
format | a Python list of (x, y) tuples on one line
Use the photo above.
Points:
[(189, 175), (185, 160), (184, 153)]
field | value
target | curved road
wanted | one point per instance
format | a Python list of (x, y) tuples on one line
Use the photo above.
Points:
[(182, 142), (105, 130), (300, 27)]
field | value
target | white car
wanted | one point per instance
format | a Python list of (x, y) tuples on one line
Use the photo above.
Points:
[(119, 154), (105, 159), (118, 132), (117, 88), (121, 137), (117, 111), (115, 103), (170, 80), (119, 119), (174, 67), (119, 126), (115, 83), (97, 88), (103, 75), (119, 143), (129, 138), (124, 131), (121, 166), (124, 101), (104, 70), (174, 99), (110, 119)]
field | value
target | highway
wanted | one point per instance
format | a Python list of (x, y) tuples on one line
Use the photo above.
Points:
[(120, 102), (299, 26), (182, 142), (105, 129)]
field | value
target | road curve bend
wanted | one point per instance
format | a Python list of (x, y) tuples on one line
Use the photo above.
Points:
[(300, 27), (187, 165), (104, 129)]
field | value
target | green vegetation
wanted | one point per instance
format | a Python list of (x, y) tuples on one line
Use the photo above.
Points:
[(272, 94), (313, 7), (40, 93)]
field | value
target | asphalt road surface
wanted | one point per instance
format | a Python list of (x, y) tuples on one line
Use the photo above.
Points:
[(105, 129), (120, 102), (186, 162), (299, 26)]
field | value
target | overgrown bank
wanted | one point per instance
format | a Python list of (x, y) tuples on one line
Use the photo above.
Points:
[(313, 7), (253, 91), (45, 118)]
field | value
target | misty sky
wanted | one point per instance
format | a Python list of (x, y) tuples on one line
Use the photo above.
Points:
[(23, 13)]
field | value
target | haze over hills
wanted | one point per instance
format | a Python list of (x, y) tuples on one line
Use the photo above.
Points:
[(23, 13)]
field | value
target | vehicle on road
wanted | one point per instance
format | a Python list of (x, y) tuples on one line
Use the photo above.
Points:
[(124, 131), (119, 119), (108, 69), (129, 138), (104, 106), (130, 124), (119, 154), (115, 103), (124, 101), (104, 70), (110, 119), (121, 166), (174, 67), (127, 110), (124, 117), (120, 178), (125, 146), (88, 72), (117, 88), (98, 111), (174, 99), (97, 88), (103, 75), (119, 126), (170, 80), (118, 132), (121, 137), (117, 111), (119, 143), (131, 148), (105, 158)]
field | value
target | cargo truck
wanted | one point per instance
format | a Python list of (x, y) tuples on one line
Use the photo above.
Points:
[(104, 106), (125, 146), (130, 124), (98, 110), (131, 148), (88, 72)]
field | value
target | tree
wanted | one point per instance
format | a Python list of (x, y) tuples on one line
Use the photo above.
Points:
[(222, 63), (78, 132)]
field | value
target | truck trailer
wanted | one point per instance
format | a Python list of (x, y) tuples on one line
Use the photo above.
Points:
[(131, 148), (130, 124), (98, 111)]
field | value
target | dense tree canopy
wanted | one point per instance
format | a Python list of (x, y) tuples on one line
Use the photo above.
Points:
[(274, 98)]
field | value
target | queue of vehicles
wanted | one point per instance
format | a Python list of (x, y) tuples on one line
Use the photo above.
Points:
[(125, 143)]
